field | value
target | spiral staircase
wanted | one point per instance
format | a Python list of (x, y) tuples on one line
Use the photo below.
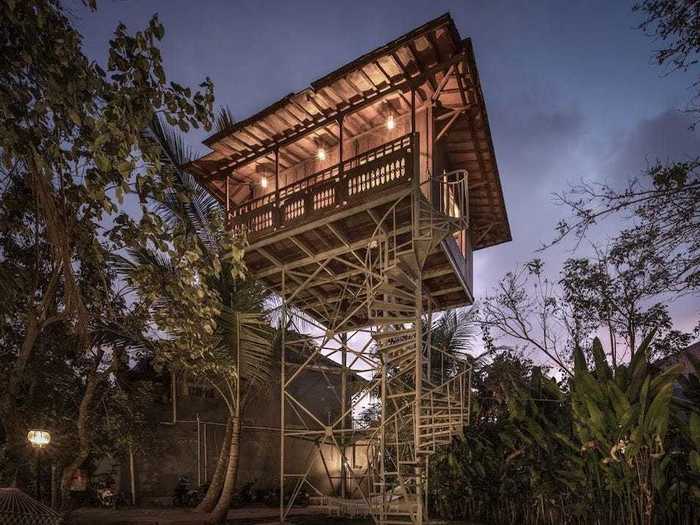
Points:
[(424, 405)]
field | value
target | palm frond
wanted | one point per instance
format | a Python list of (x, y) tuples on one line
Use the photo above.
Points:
[(454, 331), (246, 340), (187, 203), (224, 120), (117, 335), (174, 152)]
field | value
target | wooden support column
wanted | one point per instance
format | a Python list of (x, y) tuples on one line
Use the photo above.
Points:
[(341, 195), (419, 389), (343, 409), (277, 173), (228, 199), (283, 327), (413, 109), (340, 144), (277, 217)]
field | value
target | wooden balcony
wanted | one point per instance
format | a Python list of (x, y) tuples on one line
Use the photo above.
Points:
[(337, 187)]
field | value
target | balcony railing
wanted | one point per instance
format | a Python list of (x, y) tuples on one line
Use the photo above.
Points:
[(377, 169)]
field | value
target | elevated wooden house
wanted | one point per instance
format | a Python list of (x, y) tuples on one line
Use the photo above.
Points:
[(362, 198)]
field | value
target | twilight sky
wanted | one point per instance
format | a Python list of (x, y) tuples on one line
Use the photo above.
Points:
[(571, 88)]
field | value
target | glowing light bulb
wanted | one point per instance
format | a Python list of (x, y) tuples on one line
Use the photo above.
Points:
[(263, 182), (39, 438), (321, 153), (390, 122)]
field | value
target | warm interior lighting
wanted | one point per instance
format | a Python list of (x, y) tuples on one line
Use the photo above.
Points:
[(390, 122), (263, 182), (321, 154), (39, 438)]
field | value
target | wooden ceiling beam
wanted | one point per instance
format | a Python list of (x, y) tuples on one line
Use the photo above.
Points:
[(383, 71), (443, 83), (272, 136), (421, 67), (300, 123), (367, 79), (358, 92), (406, 84), (430, 37), (297, 105), (312, 100), (447, 291)]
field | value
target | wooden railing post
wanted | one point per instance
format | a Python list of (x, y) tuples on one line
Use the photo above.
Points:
[(340, 189), (276, 211)]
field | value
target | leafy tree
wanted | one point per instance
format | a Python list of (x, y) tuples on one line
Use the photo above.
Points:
[(618, 291), (676, 23), (527, 309), (603, 446), (72, 154), (663, 203), (213, 319), (663, 207)]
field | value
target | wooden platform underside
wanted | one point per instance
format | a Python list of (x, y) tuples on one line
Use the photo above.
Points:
[(325, 260)]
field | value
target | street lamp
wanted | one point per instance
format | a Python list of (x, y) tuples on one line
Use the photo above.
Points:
[(39, 439)]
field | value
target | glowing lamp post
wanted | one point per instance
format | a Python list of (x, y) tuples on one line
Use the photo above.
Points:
[(39, 439)]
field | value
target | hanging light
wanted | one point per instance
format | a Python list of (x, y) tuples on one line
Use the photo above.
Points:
[(39, 438), (321, 153), (265, 170), (390, 122)]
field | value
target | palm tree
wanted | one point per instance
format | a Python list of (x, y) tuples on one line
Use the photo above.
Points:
[(451, 337), (238, 358)]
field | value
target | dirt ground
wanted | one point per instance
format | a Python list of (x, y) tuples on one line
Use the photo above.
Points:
[(245, 516)]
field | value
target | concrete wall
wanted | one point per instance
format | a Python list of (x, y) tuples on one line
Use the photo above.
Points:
[(191, 445)]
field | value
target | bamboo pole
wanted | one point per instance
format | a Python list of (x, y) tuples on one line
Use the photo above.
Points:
[(419, 386), (132, 478), (282, 392), (173, 394), (199, 453), (343, 409)]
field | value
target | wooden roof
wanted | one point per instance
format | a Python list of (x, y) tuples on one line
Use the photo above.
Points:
[(430, 59)]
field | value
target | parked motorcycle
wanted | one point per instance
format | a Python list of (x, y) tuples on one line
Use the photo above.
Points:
[(245, 495), (186, 496), (105, 492)]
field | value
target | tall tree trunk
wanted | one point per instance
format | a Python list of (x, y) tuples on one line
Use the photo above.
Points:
[(84, 433), (219, 513), (217, 481), (36, 320)]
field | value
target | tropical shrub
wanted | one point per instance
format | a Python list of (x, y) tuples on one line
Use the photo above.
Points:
[(603, 446)]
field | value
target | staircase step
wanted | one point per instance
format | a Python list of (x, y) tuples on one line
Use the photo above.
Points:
[(391, 320), (402, 361), (398, 274), (398, 346), (394, 333), (385, 305), (395, 291)]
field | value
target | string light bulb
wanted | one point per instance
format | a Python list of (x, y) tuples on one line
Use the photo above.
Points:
[(390, 122), (321, 154), (265, 170)]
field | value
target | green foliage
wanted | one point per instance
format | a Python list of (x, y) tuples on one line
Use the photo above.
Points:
[(195, 288), (605, 446), (74, 164)]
